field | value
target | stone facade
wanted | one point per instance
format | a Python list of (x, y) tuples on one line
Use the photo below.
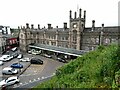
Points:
[(77, 36)]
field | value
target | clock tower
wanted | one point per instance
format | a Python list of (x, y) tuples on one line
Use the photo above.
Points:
[(77, 25)]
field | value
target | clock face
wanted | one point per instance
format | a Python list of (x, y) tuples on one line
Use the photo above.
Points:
[(74, 25)]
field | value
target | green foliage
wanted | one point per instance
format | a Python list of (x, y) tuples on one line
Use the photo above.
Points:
[(96, 69)]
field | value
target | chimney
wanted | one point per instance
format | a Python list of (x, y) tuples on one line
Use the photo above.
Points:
[(65, 25), (49, 26), (27, 25), (84, 14), (93, 25), (80, 12), (39, 26), (70, 14), (102, 27), (6, 30), (75, 15), (32, 26), (18, 27), (56, 26)]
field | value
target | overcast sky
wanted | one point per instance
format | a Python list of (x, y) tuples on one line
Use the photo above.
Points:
[(15, 13)]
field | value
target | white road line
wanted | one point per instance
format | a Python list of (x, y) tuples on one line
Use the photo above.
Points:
[(53, 73), (38, 78), (42, 77)]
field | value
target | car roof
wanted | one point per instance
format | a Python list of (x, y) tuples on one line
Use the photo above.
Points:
[(13, 49), (13, 77), (6, 68)]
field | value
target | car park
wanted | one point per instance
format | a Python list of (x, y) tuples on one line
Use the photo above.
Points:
[(25, 60), (61, 60), (16, 65), (20, 56), (36, 61), (48, 56), (9, 70), (1, 63), (9, 81), (6, 58)]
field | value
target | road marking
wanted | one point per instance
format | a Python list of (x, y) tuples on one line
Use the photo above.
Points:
[(33, 81), (53, 73), (42, 77)]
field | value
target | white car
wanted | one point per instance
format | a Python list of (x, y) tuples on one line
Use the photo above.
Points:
[(9, 70), (25, 60), (9, 81), (1, 63), (36, 52), (48, 56), (6, 58), (20, 56)]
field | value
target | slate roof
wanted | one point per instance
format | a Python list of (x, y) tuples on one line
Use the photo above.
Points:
[(106, 29)]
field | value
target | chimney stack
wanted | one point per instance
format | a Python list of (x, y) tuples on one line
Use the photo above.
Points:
[(32, 26), (75, 15), (27, 25), (49, 26), (56, 26), (39, 26), (65, 25), (84, 14), (18, 27), (102, 27), (80, 12), (70, 14), (93, 24)]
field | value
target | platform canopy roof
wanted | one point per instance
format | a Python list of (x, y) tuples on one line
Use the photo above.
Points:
[(67, 51)]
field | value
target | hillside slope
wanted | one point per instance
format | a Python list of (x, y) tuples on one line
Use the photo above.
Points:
[(96, 69)]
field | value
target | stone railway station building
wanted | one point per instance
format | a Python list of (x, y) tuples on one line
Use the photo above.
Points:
[(77, 36)]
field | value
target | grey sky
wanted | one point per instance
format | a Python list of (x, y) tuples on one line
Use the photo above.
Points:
[(15, 13)]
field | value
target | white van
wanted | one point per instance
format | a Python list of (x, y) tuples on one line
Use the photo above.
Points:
[(9, 70)]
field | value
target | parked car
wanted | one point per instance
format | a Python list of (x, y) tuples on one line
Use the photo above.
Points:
[(9, 81), (6, 58), (9, 70), (48, 56), (20, 56), (36, 52), (1, 63), (16, 65), (29, 51), (61, 60), (25, 60), (14, 49), (14, 54), (36, 61)]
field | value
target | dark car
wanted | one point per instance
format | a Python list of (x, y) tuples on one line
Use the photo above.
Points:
[(16, 65), (36, 61), (61, 60)]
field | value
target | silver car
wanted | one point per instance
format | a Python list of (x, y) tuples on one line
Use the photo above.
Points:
[(9, 81)]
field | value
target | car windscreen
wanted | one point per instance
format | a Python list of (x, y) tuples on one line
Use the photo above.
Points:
[(13, 69)]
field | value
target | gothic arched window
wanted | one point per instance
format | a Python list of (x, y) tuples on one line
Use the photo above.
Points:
[(74, 35)]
